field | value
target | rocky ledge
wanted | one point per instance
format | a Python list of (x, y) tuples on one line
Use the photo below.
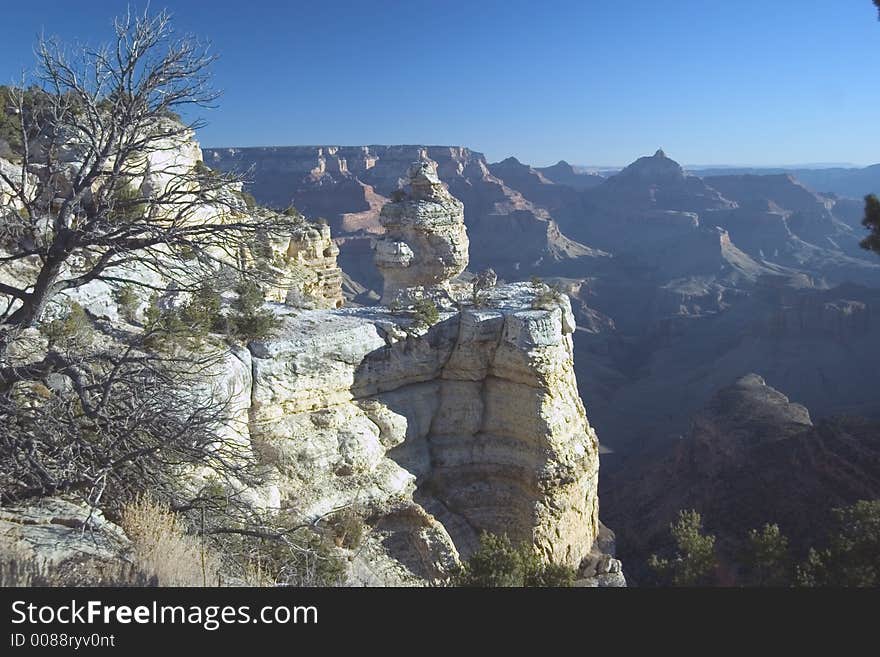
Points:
[(434, 434)]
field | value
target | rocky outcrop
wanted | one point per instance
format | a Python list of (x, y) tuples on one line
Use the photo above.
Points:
[(349, 184), (425, 243), (751, 456), (61, 541), (437, 434), (430, 431), (308, 273), (600, 568)]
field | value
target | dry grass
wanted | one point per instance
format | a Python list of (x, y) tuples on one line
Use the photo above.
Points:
[(162, 547)]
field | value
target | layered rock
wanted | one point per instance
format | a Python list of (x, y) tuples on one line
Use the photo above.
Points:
[(425, 243), (63, 540), (472, 425), (308, 273), (348, 184)]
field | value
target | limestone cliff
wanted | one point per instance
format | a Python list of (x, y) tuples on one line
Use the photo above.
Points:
[(472, 425), (434, 430)]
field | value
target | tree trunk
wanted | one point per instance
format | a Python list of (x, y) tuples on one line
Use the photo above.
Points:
[(34, 305)]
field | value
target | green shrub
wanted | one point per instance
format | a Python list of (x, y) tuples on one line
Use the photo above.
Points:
[(202, 313), (127, 203), (551, 575), (128, 301), (852, 557), (250, 321), (202, 316), (72, 329), (694, 561), (204, 171), (498, 563), (258, 326), (766, 559), (10, 122), (425, 312), (189, 324), (171, 114)]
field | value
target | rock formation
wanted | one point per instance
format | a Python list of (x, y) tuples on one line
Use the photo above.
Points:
[(751, 457), (68, 539), (429, 432), (309, 275), (348, 185), (425, 242), (474, 424)]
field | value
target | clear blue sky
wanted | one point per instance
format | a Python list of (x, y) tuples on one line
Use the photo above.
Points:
[(593, 82)]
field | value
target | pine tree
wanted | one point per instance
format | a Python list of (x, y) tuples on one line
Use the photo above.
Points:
[(694, 560), (872, 222)]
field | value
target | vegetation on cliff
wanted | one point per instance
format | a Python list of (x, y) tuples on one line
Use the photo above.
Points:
[(500, 563), (850, 556), (103, 193)]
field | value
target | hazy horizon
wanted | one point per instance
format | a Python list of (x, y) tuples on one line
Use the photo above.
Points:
[(583, 165)]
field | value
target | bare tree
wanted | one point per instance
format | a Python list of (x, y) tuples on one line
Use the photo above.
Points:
[(85, 189), (131, 420), (97, 193)]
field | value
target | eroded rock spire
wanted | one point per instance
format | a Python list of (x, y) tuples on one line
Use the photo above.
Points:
[(425, 243)]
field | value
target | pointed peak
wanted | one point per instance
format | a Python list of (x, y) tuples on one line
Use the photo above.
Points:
[(660, 153), (511, 161)]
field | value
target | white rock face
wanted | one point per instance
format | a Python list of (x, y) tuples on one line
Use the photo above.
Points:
[(60, 532), (310, 277), (168, 161), (474, 424), (425, 243)]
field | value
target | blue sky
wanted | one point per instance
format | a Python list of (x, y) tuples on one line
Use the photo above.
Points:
[(756, 82)]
